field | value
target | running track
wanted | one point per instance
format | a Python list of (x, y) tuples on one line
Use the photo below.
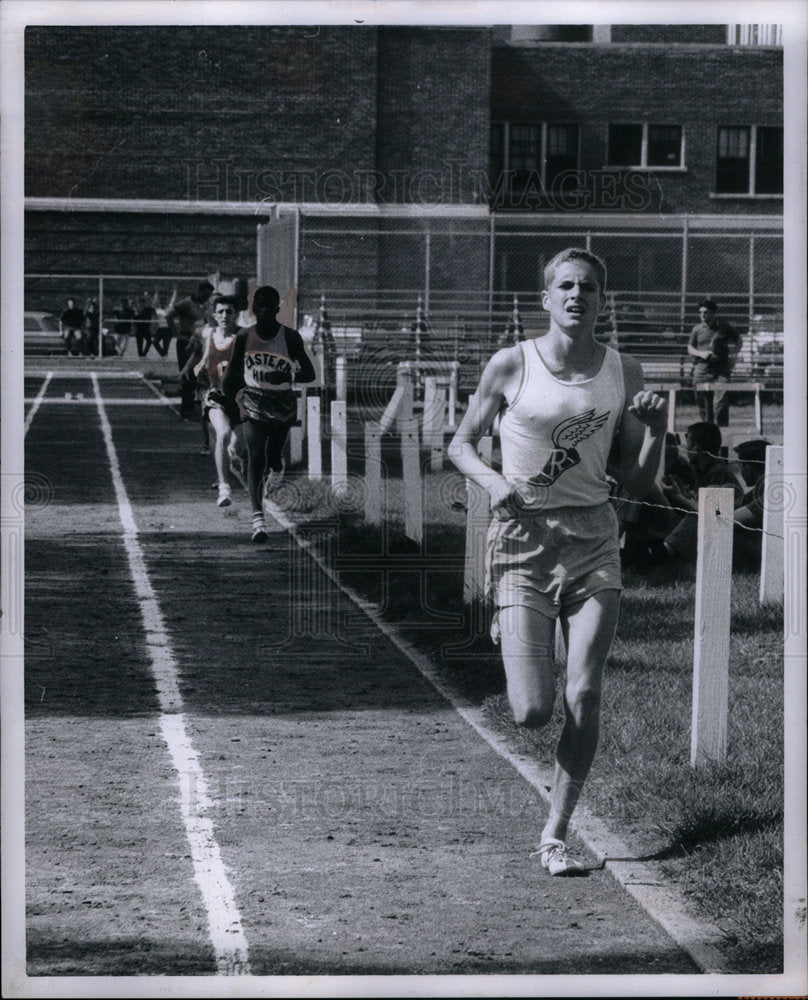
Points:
[(226, 779)]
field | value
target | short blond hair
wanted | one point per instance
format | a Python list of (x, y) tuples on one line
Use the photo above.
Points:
[(575, 253)]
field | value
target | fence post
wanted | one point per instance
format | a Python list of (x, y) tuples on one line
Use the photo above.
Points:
[(341, 380), (405, 382), (339, 445), (772, 559), (373, 473), (313, 438), (708, 733), (434, 418), (478, 516), (298, 431), (452, 418), (100, 316), (413, 487)]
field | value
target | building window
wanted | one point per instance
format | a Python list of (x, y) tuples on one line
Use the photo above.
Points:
[(528, 157), (755, 34), (646, 146), (749, 160), (532, 34)]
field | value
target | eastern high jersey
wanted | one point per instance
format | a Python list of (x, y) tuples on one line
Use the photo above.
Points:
[(268, 364), (556, 436)]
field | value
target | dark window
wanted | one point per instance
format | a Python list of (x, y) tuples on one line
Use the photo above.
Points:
[(664, 146), (634, 145), (625, 145), (561, 153), (732, 160), (769, 160)]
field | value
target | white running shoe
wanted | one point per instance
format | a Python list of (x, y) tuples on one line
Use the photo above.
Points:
[(224, 495), (554, 858)]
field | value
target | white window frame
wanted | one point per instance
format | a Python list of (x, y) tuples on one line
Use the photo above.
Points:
[(751, 191), (542, 163), (644, 164), (755, 34)]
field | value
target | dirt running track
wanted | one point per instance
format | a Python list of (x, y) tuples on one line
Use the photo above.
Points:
[(364, 826)]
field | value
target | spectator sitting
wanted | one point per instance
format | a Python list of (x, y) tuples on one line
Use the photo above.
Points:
[(703, 442), (646, 524), (747, 544)]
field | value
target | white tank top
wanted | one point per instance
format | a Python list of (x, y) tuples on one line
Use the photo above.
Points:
[(268, 365), (556, 436)]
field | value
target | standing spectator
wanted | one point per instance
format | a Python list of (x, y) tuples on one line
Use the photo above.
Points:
[(92, 329), (714, 345), (162, 335), (124, 315), (71, 327), (266, 359), (145, 325), (183, 318)]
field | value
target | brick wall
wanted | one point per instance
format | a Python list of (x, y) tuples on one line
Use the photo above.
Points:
[(696, 88), (433, 118), (236, 113)]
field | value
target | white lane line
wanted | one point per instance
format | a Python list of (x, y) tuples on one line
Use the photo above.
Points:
[(37, 401), (165, 401), (161, 397), (643, 880), (224, 920)]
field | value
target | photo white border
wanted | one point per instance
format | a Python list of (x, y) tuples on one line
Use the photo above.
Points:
[(14, 15)]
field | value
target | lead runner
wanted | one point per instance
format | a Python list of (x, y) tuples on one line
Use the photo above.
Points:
[(553, 550), (257, 387)]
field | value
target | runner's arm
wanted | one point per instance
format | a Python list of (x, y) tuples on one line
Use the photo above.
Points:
[(641, 434), (305, 371), (483, 406), (234, 376)]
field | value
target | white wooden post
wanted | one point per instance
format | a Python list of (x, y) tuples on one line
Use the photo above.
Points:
[(339, 445), (478, 517), (452, 418), (434, 416), (341, 379), (708, 734), (406, 405), (373, 473), (772, 559), (413, 487), (298, 431), (315, 455)]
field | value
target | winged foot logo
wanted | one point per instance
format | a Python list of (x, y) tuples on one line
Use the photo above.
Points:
[(566, 436)]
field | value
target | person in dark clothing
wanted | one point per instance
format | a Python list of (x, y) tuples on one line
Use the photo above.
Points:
[(267, 358), (71, 326), (183, 318), (714, 346)]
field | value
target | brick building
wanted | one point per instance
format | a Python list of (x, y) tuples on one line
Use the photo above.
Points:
[(447, 161)]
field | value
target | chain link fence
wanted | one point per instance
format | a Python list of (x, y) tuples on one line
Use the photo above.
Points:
[(456, 289), (443, 288)]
